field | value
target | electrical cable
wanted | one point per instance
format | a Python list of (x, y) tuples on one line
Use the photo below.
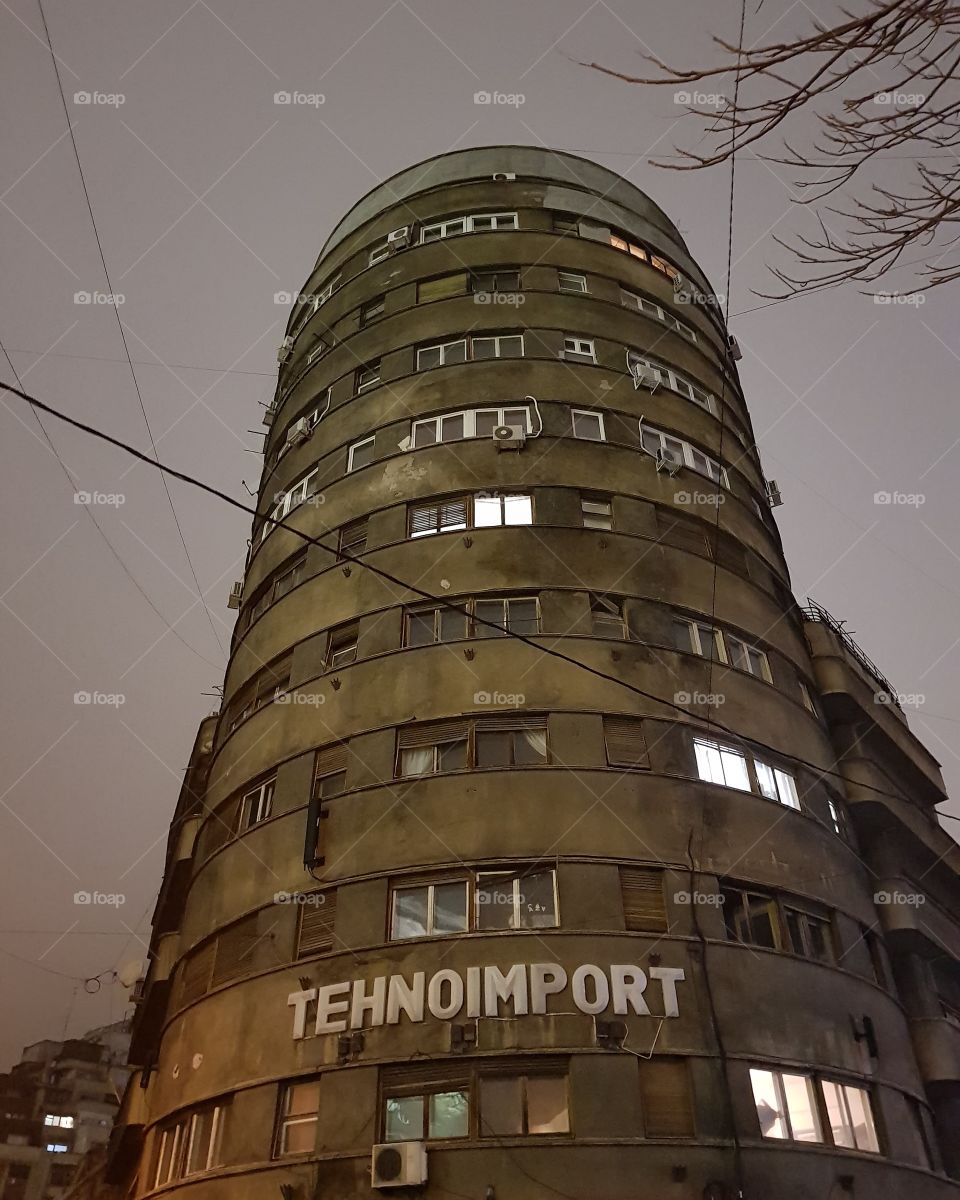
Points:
[(99, 528), (142, 362), (346, 557), (116, 311)]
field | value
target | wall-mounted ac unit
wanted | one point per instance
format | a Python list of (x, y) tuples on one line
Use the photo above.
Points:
[(644, 376), (773, 494), (669, 461), (733, 347), (681, 290), (285, 350), (236, 595), (504, 176), (509, 437), (298, 432), (398, 238), (398, 1164)]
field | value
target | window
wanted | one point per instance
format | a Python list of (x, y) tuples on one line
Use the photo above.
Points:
[(299, 1112), (478, 223), (777, 785), (286, 502), (500, 746), (786, 1106), (805, 698), (597, 511), (318, 351), (747, 658), (587, 425), (371, 310), (330, 774), (469, 349), (648, 308), (265, 686), (666, 1099), (850, 1115), (353, 537), (571, 282), (577, 349), (424, 626), (59, 1121), (462, 512), (471, 423), (452, 745), (257, 803), (442, 517), (508, 900), (342, 646), (190, 1145), (315, 930), (289, 577), (366, 376), (429, 1116), (56, 1147), (379, 252), (644, 909), (442, 287), (425, 750), (653, 441), (566, 223), (877, 962), (751, 918), (721, 764), (606, 615), (502, 280), (625, 743), (620, 243), (430, 910), (437, 623), (512, 1105), (808, 935), (491, 510), (360, 454), (695, 637), (312, 304), (516, 614)]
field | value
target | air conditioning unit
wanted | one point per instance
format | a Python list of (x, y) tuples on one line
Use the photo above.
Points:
[(669, 461), (681, 290), (138, 991), (398, 238), (504, 176), (298, 432), (270, 412), (509, 437), (774, 499), (644, 376), (285, 350), (236, 595), (398, 1164), (733, 348)]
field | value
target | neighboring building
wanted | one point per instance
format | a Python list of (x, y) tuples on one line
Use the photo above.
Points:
[(430, 887), (57, 1103)]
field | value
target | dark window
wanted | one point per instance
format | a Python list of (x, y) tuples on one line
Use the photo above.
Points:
[(751, 918), (606, 613), (514, 1105), (644, 909), (371, 310), (505, 279), (342, 646), (353, 537)]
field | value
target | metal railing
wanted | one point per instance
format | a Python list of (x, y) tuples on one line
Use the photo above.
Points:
[(816, 612)]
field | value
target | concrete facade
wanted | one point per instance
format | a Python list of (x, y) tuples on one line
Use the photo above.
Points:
[(684, 924)]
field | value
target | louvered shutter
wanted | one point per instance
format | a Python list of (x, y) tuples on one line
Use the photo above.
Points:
[(644, 910), (236, 946), (513, 721), (331, 760), (424, 1077), (626, 744), (432, 733), (685, 535), (447, 285), (453, 512), (315, 935), (423, 518), (665, 1098), (195, 973)]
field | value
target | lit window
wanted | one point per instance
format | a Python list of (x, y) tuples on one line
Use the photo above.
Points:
[(777, 785), (429, 911), (57, 1148), (299, 1112), (58, 1120), (360, 454), (836, 819), (587, 425), (502, 510), (571, 282), (513, 900), (721, 764), (367, 376), (577, 349), (257, 804), (620, 243), (786, 1106), (427, 1117), (514, 1105), (850, 1115), (597, 512)]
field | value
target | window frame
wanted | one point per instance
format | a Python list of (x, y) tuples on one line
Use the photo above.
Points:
[(470, 500), (687, 452), (578, 349), (648, 308), (352, 453), (430, 921), (469, 225), (474, 726), (284, 1120), (523, 1076), (590, 414), (262, 804), (783, 1113), (611, 610), (598, 502), (576, 290), (371, 310), (331, 659), (722, 749), (360, 384), (469, 417), (469, 343)]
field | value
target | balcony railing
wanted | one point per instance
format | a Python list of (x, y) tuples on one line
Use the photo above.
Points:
[(816, 612)]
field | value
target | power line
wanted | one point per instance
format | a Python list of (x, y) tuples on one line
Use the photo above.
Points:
[(345, 556), (99, 528), (142, 362), (116, 310)]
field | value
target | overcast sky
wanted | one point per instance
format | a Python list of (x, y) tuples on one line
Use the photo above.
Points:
[(210, 197)]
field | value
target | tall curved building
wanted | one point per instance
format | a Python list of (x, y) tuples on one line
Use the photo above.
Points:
[(543, 845)]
